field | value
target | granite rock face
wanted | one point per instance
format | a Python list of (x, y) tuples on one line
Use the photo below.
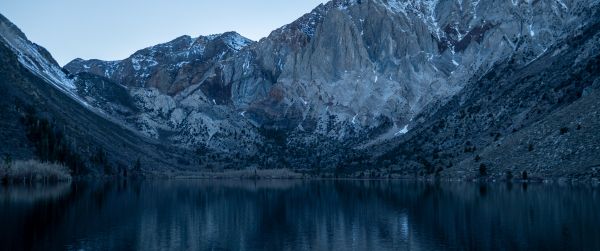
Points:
[(362, 60), (348, 66)]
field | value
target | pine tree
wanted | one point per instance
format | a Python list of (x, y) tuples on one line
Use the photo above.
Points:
[(7, 161), (137, 167), (482, 170)]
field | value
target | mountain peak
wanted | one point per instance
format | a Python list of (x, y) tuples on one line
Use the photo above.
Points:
[(233, 39), (7, 26), (169, 67)]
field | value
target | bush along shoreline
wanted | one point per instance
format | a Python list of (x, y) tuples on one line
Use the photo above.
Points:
[(32, 171)]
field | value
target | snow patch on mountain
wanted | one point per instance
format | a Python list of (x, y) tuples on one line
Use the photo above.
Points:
[(402, 131), (37, 60), (236, 41), (141, 61)]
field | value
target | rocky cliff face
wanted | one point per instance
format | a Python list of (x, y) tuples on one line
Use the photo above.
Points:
[(360, 61), (349, 66)]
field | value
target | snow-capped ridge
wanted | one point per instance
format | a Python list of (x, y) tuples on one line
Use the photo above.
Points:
[(236, 41), (36, 59)]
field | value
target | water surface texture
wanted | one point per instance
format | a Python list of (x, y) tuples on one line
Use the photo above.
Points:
[(298, 215)]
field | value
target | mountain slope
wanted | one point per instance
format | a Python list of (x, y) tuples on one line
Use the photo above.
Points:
[(537, 117), (35, 58), (43, 118), (171, 92)]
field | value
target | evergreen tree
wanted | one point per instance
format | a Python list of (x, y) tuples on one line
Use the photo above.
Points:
[(50, 142), (482, 170), (7, 161), (137, 167)]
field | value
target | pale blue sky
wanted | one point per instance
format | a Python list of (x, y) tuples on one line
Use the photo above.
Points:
[(114, 29)]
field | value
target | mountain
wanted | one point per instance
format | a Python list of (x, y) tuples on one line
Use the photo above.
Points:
[(414, 87), (170, 67), (363, 62), (42, 116), (159, 94)]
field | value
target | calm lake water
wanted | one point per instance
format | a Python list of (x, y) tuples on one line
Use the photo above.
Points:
[(298, 215)]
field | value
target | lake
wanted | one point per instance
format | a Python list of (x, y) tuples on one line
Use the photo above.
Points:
[(298, 215)]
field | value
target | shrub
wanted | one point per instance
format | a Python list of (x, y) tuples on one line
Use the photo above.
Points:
[(497, 136), (438, 171), (33, 170), (564, 130), (509, 175), (136, 170)]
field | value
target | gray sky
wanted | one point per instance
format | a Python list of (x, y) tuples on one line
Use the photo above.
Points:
[(114, 29)]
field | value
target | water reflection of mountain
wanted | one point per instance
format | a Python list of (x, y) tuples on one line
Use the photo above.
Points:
[(306, 215)]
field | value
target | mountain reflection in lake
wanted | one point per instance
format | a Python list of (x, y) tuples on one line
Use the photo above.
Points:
[(299, 215)]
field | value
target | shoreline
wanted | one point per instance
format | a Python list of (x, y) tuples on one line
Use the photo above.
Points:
[(287, 174)]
